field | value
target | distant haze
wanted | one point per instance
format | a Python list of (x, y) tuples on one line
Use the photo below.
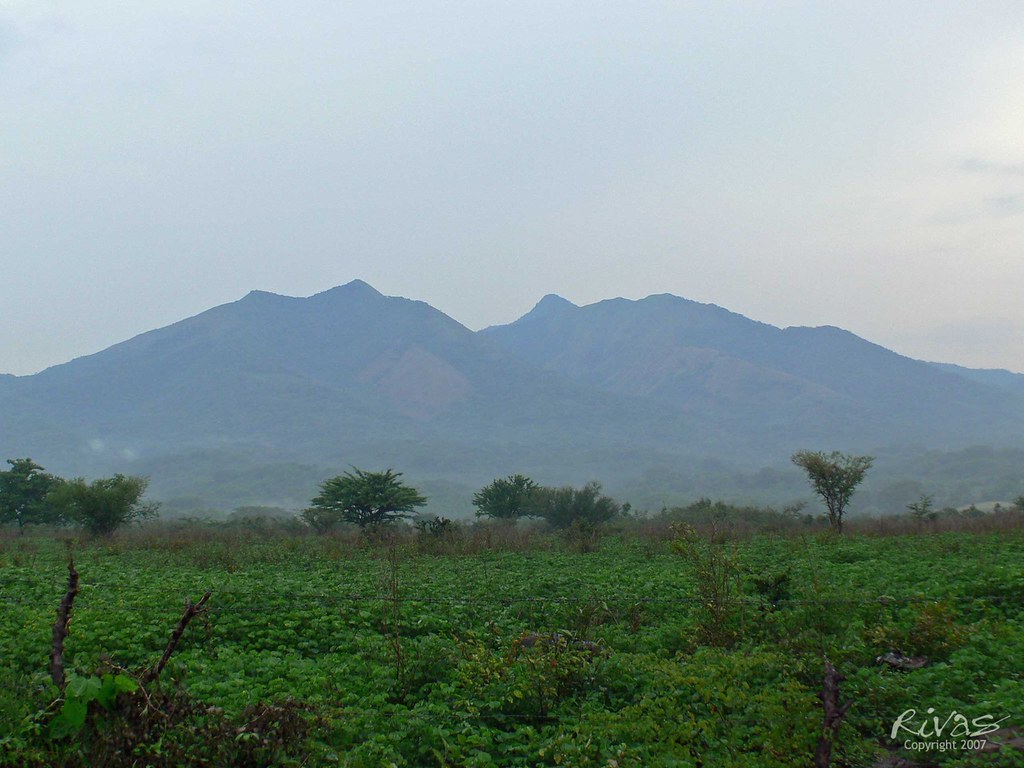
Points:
[(663, 399), (857, 164)]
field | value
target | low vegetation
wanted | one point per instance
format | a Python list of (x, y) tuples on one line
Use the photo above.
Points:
[(502, 645), (559, 628)]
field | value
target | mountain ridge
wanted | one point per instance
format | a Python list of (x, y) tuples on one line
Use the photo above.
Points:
[(614, 390), (684, 349)]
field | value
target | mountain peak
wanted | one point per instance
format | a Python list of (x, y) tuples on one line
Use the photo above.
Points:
[(263, 296), (352, 288), (654, 297), (552, 303)]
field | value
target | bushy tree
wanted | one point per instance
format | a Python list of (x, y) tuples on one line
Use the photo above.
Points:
[(23, 494), (922, 509), (320, 519), (506, 497), (561, 507), (834, 477), (362, 498), (104, 505)]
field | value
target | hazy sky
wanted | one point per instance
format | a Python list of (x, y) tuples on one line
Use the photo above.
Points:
[(857, 163)]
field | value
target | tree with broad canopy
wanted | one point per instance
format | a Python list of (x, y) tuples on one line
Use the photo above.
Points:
[(834, 477), (362, 498), (104, 505), (505, 498), (24, 489)]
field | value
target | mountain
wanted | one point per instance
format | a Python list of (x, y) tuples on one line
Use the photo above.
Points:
[(347, 376), (255, 401), (793, 383), (998, 377)]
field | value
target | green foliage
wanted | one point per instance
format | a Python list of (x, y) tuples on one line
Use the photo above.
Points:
[(834, 477), (582, 535), (704, 511), (362, 498), (299, 619), (923, 509), (104, 505), (320, 519), (560, 507), (715, 569), (529, 679), (437, 527), (83, 691), (110, 719), (774, 587), (930, 629), (23, 494), (506, 498), (435, 534)]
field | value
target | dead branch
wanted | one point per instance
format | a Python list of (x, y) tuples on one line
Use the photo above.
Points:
[(190, 612), (60, 627), (834, 714)]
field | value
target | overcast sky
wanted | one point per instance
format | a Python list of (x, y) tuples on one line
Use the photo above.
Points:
[(858, 163)]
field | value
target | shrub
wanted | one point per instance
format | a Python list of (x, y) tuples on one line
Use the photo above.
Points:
[(560, 507)]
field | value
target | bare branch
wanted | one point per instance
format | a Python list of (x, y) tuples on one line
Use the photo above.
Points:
[(60, 627), (190, 613)]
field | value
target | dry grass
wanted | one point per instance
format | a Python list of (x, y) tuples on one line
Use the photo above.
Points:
[(218, 544)]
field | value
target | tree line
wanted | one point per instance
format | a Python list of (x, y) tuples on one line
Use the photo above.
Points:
[(368, 499), (30, 495)]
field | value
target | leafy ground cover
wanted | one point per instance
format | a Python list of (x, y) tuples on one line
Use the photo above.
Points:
[(702, 653)]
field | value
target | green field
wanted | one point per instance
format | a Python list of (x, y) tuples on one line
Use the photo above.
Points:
[(407, 655)]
